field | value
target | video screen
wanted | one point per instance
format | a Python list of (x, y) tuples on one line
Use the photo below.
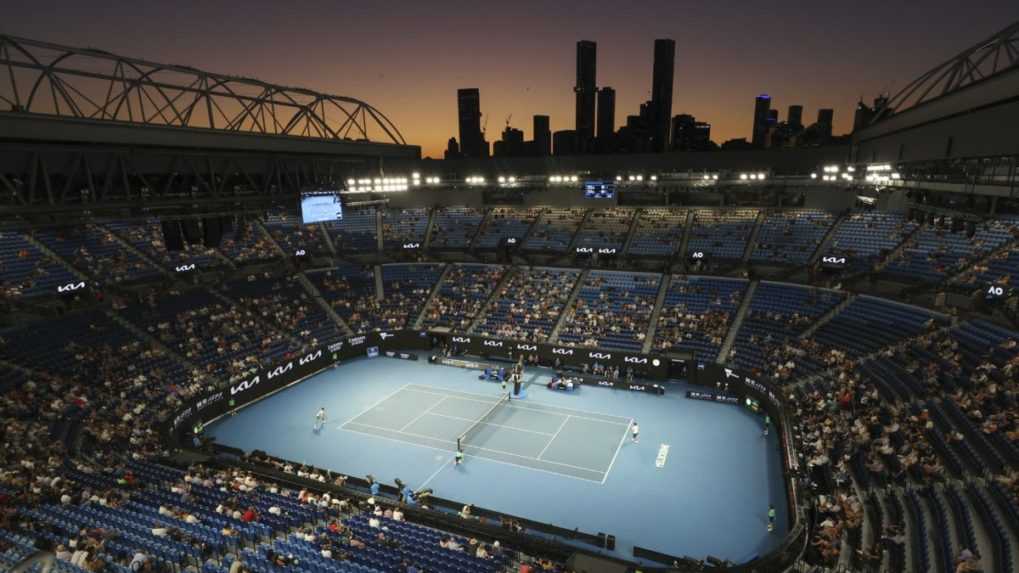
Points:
[(599, 190), (321, 207)]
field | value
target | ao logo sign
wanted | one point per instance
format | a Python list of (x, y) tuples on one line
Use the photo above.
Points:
[(995, 291), (462, 339), (411, 245), (300, 253), (635, 360), (697, 255), (599, 356), (69, 287), (185, 268), (834, 260), (494, 343)]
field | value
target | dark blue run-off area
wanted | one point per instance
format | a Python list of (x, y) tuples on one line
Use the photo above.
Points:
[(562, 458)]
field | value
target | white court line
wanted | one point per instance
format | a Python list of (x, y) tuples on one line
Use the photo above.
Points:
[(619, 447), (431, 477), (490, 424), (422, 415), (373, 406), (466, 455), (551, 412), (556, 435), (481, 448)]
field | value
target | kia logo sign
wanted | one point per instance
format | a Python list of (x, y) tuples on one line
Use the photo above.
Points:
[(70, 287), (833, 260), (185, 268), (412, 245), (245, 386), (635, 360), (563, 351), (607, 251), (527, 347), (495, 343), (300, 253), (599, 356), (310, 357), (462, 339), (585, 250)]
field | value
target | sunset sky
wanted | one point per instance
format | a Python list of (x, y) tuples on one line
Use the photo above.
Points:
[(408, 58)]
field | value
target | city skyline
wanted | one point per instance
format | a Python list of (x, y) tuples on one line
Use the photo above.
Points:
[(409, 60)]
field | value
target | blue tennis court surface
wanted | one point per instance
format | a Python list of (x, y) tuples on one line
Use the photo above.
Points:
[(561, 458), (561, 441)]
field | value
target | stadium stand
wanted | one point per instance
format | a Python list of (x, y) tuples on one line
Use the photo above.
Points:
[(356, 232), (96, 252), (461, 295), (25, 271), (606, 228), (865, 237), (659, 232), (292, 236), (612, 309), (933, 253), (697, 313), (791, 237), (401, 226), (454, 227), (721, 234), (350, 291), (147, 237), (517, 314), (555, 229), (503, 223)]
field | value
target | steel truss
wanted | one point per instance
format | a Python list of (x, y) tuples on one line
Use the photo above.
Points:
[(980, 61), (49, 179), (53, 80)]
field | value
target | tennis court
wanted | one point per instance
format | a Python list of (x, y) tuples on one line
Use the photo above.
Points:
[(523, 433)]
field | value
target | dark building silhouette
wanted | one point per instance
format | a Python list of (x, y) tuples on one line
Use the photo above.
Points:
[(585, 89), (865, 114), (825, 120), (688, 134), (511, 144), (762, 107), (542, 136), (661, 93), (606, 113), (452, 149), (564, 142), (794, 117), (772, 117), (472, 143), (737, 144)]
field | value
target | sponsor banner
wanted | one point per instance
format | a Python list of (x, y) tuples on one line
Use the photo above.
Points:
[(712, 397), (401, 355), (834, 261), (643, 365), (188, 268)]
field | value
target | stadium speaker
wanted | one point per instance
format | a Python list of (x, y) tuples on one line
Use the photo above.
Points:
[(192, 232), (610, 542), (213, 228), (171, 236)]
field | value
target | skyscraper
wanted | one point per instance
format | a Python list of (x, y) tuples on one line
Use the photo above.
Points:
[(661, 93), (825, 119), (794, 117), (542, 136), (762, 107), (469, 111), (585, 89), (606, 113), (688, 134), (772, 117)]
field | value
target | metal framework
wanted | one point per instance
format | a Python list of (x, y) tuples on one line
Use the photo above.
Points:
[(980, 61), (53, 80), (48, 179)]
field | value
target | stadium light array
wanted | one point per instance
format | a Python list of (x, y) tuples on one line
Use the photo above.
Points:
[(475, 180)]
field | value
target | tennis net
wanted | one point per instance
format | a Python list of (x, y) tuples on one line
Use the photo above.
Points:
[(472, 431)]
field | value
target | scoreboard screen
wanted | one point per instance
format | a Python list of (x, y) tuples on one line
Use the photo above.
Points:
[(321, 206), (599, 190)]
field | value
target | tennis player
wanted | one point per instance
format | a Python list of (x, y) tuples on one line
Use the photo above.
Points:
[(635, 432), (320, 417)]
